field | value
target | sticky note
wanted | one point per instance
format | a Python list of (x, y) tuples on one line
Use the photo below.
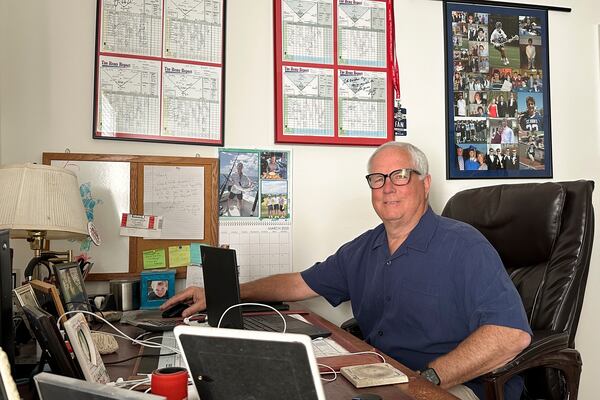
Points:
[(195, 255), (154, 259), (179, 256)]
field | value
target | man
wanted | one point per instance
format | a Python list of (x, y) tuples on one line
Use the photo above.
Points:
[(460, 160), (461, 105), (531, 120), (530, 53), (499, 39), (513, 159), (429, 291), (508, 135), (237, 183), (490, 159)]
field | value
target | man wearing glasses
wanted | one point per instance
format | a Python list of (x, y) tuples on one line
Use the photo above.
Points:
[(429, 291)]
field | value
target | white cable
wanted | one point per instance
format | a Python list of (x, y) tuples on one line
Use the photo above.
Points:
[(369, 352), (328, 373), (190, 318), (253, 304), (140, 384), (124, 336)]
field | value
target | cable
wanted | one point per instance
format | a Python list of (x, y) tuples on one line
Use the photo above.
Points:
[(138, 356), (189, 319), (123, 335), (253, 304), (335, 374)]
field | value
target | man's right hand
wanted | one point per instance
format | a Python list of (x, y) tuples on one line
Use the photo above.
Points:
[(193, 295)]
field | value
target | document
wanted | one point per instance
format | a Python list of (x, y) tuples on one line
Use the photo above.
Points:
[(307, 101), (362, 33), (307, 31), (362, 104), (132, 27), (191, 101), (193, 30), (177, 194), (128, 96)]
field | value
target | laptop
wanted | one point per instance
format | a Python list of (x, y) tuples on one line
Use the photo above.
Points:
[(237, 364), (52, 387), (222, 290)]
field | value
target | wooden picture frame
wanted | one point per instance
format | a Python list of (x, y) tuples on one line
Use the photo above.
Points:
[(50, 290)]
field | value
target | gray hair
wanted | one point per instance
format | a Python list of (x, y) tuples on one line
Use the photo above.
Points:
[(418, 158)]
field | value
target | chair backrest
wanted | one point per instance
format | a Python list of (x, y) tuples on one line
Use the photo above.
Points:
[(543, 233)]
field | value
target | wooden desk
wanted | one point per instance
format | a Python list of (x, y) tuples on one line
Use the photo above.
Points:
[(416, 389)]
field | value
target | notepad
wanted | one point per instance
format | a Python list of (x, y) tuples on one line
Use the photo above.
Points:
[(373, 375)]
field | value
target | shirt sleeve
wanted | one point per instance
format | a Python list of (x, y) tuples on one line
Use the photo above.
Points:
[(329, 278)]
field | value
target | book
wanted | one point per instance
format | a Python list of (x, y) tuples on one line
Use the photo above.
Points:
[(369, 375)]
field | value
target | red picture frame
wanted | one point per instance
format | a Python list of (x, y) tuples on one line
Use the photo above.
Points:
[(332, 98)]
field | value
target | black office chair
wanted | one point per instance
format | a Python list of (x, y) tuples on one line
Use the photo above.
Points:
[(543, 233)]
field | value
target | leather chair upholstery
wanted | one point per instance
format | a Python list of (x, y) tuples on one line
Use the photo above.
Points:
[(543, 233)]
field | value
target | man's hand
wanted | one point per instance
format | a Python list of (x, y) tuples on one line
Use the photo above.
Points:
[(194, 294)]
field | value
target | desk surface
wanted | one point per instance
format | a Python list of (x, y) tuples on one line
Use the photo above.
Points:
[(416, 389)]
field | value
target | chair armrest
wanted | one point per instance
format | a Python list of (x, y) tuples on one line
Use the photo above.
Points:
[(351, 326)]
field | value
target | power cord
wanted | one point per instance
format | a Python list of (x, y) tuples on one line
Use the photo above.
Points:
[(253, 304)]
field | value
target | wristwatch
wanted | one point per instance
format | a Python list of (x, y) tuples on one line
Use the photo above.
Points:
[(431, 376)]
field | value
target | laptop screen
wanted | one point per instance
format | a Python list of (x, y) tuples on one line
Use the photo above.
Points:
[(221, 286), (236, 364)]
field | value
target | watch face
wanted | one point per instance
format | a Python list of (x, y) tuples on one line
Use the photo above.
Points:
[(431, 376)]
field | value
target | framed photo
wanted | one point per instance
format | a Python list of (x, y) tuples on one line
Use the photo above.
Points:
[(156, 287), (160, 72), (72, 288), (50, 290), (498, 94), (26, 296)]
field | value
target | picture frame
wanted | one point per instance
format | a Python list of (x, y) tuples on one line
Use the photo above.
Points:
[(166, 83), (498, 118), (156, 287), (72, 287), (50, 290), (26, 296)]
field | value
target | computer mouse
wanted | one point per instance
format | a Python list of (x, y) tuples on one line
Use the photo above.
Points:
[(175, 311), (366, 396)]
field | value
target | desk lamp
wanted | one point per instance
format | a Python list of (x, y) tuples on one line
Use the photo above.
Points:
[(39, 203)]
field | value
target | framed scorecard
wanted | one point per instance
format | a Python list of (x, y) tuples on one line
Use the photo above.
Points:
[(334, 63), (160, 71), (498, 94)]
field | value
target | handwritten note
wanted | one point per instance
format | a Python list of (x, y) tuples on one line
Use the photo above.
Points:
[(177, 194), (154, 259), (179, 256)]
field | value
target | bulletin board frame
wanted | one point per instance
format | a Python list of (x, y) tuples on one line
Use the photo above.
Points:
[(136, 204)]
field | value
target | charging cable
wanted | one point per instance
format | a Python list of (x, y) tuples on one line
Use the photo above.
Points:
[(253, 304)]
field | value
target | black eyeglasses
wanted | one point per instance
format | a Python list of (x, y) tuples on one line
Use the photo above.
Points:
[(399, 177)]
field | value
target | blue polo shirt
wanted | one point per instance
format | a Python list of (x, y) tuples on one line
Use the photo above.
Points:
[(417, 304)]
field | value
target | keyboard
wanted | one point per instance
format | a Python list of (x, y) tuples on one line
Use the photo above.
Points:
[(262, 323)]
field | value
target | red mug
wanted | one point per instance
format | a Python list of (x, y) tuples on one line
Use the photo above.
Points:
[(170, 382)]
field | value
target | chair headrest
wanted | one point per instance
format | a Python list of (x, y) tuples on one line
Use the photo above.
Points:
[(521, 221)]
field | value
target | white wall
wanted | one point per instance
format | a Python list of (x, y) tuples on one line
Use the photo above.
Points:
[(46, 95)]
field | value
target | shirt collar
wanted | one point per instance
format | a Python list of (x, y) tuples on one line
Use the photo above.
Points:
[(418, 238)]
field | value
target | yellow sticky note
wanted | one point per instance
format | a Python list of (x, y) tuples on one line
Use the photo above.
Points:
[(154, 259), (179, 256)]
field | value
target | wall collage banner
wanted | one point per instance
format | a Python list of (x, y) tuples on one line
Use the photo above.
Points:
[(498, 95)]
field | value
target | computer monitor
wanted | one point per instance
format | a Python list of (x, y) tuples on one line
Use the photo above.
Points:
[(7, 331)]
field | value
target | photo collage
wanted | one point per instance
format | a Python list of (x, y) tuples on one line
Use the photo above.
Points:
[(254, 184), (498, 91)]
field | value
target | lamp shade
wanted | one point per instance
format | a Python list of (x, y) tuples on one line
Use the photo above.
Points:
[(37, 197)]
